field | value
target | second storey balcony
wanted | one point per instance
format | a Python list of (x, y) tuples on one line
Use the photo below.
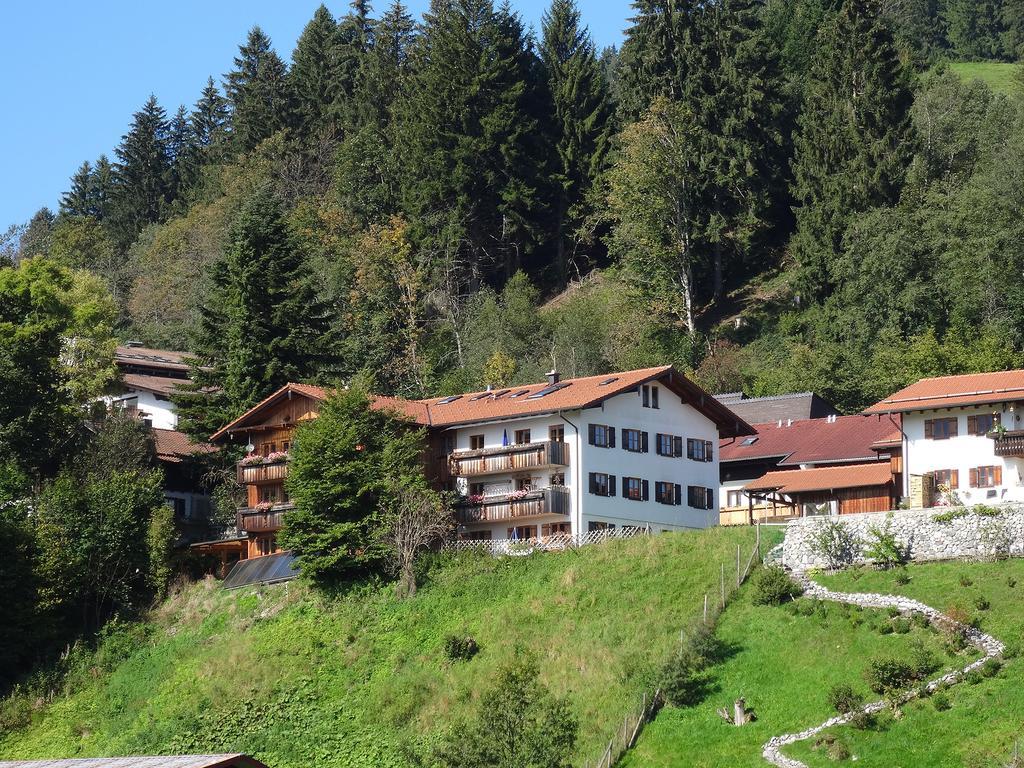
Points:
[(262, 519), (1009, 444), (252, 472), (545, 501), (509, 459)]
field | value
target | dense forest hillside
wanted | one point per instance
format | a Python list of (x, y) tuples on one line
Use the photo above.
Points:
[(776, 194), (363, 678)]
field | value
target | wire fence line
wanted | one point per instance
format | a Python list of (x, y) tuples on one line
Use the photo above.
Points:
[(713, 604), (557, 542)]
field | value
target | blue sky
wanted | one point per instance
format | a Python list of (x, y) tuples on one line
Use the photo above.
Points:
[(74, 72)]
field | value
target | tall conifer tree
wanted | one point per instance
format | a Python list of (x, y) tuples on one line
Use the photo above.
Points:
[(315, 75), (211, 122), (580, 120), (259, 92), (142, 172), (470, 138), (650, 64), (854, 138), (261, 326)]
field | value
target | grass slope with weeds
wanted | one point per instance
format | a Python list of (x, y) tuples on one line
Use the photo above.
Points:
[(362, 679), (784, 660), (973, 724), (1001, 77)]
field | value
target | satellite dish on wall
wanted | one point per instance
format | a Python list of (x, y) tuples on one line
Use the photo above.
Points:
[(250, 448)]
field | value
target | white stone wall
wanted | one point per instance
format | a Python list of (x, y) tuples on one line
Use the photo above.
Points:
[(972, 535)]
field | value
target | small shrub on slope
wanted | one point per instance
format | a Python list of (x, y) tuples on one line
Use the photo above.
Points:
[(686, 677), (842, 698), (460, 648), (773, 586)]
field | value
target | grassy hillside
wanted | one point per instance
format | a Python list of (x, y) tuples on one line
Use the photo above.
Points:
[(998, 76), (985, 719), (357, 680), (784, 661)]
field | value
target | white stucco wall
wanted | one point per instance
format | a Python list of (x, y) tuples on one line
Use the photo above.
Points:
[(161, 412), (624, 411), (963, 452)]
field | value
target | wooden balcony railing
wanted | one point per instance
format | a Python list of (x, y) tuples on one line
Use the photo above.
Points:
[(1009, 443), (509, 459), (260, 521), (547, 501), (249, 474)]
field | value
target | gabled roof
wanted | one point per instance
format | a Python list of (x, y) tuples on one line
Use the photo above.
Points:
[(129, 355), (180, 761), (160, 385), (526, 400), (815, 441), (173, 446), (761, 410), (950, 391), (576, 394), (789, 481)]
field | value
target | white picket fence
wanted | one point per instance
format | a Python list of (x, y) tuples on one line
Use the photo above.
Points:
[(558, 542)]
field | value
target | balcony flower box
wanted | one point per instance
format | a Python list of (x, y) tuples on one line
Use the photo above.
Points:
[(264, 506), (251, 460), (276, 456)]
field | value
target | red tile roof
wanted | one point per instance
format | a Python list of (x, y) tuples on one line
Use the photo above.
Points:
[(527, 400), (161, 385), (173, 446), (949, 391), (815, 441), (822, 478)]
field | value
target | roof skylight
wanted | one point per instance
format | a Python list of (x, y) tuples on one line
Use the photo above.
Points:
[(447, 400), (548, 390), (606, 382)]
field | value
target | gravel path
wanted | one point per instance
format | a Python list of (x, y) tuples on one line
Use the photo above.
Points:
[(989, 646)]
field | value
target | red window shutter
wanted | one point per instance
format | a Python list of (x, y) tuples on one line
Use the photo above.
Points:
[(998, 472), (954, 478), (929, 429), (974, 477)]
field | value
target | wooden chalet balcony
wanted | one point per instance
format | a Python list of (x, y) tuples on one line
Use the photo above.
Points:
[(1009, 444), (509, 459), (547, 501), (268, 472), (253, 520)]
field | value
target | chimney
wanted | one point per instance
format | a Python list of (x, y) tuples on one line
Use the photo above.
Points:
[(133, 344), (553, 377), (490, 387)]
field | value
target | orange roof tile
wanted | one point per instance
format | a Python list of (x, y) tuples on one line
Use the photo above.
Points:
[(948, 391), (814, 441), (527, 400), (161, 385), (822, 478), (174, 446)]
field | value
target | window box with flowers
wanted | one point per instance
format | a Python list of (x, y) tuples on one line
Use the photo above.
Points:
[(252, 460)]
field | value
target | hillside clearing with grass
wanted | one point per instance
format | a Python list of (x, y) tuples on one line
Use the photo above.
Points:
[(362, 679), (785, 660), (999, 76)]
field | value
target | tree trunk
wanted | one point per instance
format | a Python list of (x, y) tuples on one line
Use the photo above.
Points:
[(717, 285)]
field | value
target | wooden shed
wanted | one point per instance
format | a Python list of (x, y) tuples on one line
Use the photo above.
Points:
[(826, 490)]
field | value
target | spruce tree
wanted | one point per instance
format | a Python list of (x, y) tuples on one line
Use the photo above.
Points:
[(734, 85), (142, 172), (259, 92), (580, 120), (104, 183), (386, 67), (78, 201), (314, 74), (356, 32), (472, 156), (854, 137), (261, 326), (650, 64), (211, 122), (181, 150)]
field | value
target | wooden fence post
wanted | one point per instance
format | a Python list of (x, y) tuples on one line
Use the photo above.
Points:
[(705, 609), (737, 566), (723, 586)]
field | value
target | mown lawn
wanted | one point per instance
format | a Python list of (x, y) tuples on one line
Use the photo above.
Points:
[(783, 660), (999, 76), (361, 680), (985, 719)]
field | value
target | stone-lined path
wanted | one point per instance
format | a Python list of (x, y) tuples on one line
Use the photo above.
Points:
[(988, 645)]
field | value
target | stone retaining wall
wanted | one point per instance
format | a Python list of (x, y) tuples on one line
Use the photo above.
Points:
[(990, 532)]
